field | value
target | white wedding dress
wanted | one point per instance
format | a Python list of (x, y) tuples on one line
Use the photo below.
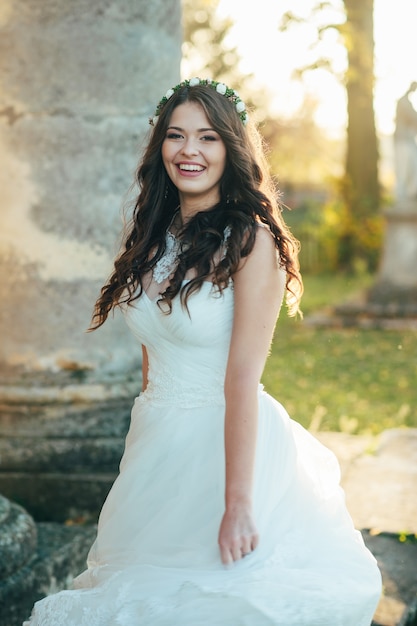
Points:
[(156, 562)]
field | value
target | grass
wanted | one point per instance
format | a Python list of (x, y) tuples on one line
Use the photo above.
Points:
[(349, 380)]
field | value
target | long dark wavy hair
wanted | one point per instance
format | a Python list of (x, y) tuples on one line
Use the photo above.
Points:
[(248, 196)]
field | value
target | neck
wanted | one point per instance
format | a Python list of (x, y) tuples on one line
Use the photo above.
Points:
[(190, 206)]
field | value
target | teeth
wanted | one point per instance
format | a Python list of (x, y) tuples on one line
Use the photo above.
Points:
[(191, 168)]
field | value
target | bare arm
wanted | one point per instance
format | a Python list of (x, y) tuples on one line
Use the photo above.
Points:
[(145, 365), (259, 288)]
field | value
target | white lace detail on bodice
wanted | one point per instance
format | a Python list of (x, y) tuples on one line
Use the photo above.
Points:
[(168, 262)]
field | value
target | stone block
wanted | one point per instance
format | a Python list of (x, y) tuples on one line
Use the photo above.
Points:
[(60, 555), (17, 537)]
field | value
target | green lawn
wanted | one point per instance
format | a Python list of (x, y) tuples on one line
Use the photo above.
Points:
[(351, 380)]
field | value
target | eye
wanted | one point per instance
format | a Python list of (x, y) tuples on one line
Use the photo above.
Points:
[(173, 135), (209, 138)]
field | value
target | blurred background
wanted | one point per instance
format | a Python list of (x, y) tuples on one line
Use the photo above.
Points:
[(323, 80), (315, 72)]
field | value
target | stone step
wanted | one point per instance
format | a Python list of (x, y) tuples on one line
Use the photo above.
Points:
[(63, 454), (67, 419)]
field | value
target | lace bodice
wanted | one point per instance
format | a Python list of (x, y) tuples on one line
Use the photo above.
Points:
[(187, 351), (168, 263)]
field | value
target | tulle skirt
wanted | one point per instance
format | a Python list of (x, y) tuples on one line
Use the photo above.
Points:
[(156, 561)]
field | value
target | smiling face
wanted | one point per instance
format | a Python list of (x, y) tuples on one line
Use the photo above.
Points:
[(194, 156)]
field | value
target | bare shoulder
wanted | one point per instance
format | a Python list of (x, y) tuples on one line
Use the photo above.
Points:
[(265, 239), (264, 253), (260, 271), (259, 283)]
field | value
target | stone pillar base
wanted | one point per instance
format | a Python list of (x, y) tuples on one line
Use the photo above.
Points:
[(392, 300), (395, 291)]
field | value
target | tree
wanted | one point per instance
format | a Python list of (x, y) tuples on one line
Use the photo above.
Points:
[(361, 188), (359, 226)]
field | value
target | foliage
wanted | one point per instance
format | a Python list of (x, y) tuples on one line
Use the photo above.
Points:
[(356, 240), (351, 380), (322, 223), (324, 19), (319, 241)]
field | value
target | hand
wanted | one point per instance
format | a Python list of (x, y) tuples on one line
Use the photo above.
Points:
[(238, 536)]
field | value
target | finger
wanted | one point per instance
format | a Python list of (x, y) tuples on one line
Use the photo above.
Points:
[(236, 552), (225, 555), (246, 546), (255, 542)]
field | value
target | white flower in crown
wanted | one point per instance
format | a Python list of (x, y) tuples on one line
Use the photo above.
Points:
[(221, 88), (194, 81), (169, 93), (240, 106), (154, 120), (245, 119)]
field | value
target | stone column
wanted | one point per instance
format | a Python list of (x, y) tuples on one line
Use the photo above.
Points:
[(78, 81)]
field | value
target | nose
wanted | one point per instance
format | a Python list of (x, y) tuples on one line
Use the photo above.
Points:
[(190, 147)]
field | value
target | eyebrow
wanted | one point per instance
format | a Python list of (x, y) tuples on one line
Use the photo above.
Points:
[(199, 130)]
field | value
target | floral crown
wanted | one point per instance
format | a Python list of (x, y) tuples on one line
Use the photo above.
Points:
[(221, 88)]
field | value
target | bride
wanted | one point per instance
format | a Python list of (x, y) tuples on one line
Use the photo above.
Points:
[(225, 511)]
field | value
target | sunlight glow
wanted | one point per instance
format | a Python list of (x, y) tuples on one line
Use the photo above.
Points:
[(272, 56)]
